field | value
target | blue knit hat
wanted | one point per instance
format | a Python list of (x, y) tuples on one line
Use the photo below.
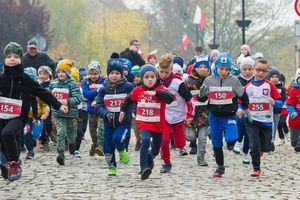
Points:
[(82, 73), (136, 70), (202, 59), (147, 68), (223, 59), (114, 64), (31, 71), (178, 60), (127, 64)]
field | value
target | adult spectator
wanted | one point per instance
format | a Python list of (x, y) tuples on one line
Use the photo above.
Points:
[(198, 51), (132, 54), (35, 58)]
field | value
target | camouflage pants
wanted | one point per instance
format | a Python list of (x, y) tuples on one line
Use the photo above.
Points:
[(66, 127), (96, 127)]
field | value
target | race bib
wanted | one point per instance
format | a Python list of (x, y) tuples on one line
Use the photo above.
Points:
[(113, 102), (148, 112), (259, 107), (195, 101), (61, 93), (94, 86), (220, 95), (10, 108)]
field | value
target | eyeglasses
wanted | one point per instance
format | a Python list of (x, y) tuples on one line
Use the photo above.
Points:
[(261, 70), (136, 44)]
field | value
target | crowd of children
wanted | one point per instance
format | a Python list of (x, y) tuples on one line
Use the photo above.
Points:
[(165, 104)]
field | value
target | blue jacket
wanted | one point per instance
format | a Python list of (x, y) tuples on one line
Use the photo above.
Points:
[(90, 94), (124, 87)]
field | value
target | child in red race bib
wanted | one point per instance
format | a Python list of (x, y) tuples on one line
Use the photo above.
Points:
[(263, 96), (109, 99), (222, 90), (151, 98), (15, 87)]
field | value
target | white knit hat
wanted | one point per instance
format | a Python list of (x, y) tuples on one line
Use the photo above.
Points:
[(247, 61), (297, 75)]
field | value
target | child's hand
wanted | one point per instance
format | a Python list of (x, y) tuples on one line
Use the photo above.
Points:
[(43, 116), (64, 108), (294, 115), (64, 102), (93, 103), (271, 101), (150, 93), (121, 117), (239, 113)]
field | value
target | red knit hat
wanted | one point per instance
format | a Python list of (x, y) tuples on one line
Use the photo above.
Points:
[(150, 56)]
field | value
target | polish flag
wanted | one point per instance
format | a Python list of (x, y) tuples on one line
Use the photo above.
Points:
[(199, 17), (185, 42)]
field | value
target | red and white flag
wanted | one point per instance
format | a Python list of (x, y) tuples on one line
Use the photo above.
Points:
[(199, 17), (185, 42)]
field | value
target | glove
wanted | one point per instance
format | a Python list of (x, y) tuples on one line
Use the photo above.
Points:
[(248, 115), (109, 116)]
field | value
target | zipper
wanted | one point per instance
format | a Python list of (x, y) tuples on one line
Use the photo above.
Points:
[(221, 82), (11, 86)]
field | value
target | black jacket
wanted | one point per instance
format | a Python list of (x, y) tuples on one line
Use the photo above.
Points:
[(15, 84), (41, 59), (134, 57)]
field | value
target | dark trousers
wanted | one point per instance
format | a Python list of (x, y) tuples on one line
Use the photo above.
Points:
[(46, 130), (28, 137), (81, 127), (282, 126), (259, 141), (242, 134), (145, 154), (11, 131)]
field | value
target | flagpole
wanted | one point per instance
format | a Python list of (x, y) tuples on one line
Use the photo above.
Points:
[(197, 35)]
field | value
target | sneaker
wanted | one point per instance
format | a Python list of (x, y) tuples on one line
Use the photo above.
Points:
[(297, 148), (92, 150), (4, 172), (60, 160), (112, 171), (124, 157), (287, 137), (165, 168), (201, 162), (150, 163), (272, 147), (77, 154), (281, 141), (99, 151), (219, 172), (237, 148), (145, 173), (246, 159), (137, 145), (14, 171), (193, 150), (183, 152), (30, 154), (23, 149), (256, 173)]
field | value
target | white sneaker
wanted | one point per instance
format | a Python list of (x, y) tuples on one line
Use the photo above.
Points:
[(237, 148), (77, 154), (282, 141), (287, 137), (246, 159)]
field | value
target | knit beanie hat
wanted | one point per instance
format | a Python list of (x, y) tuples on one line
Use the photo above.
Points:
[(177, 69), (65, 65), (258, 55), (75, 74), (214, 53), (13, 47), (82, 73), (95, 65), (150, 56), (31, 71), (297, 75), (45, 69), (136, 70), (179, 61), (202, 59), (147, 68), (235, 70), (247, 61), (223, 59), (114, 64), (273, 71), (127, 64)]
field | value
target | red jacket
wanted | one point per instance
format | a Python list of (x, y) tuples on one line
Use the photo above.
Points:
[(138, 96), (294, 100)]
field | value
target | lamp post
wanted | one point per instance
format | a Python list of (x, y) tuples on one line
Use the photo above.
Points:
[(214, 45), (243, 23)]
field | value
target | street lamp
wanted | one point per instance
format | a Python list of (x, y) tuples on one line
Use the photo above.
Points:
[(214, 45), (243, 23)]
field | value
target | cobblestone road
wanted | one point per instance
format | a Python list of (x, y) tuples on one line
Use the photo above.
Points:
[(86, 178)]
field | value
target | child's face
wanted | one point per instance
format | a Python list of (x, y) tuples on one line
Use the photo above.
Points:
[(114, 76), (43, 76), (260, 71), (94, 75), (164, 73), (125, 72), (149, 79), (61, 75), (202, 70), (244, 50), (247, 71), (223, 71), (12, 60), (274, 79), (152, 61), (137, 79)]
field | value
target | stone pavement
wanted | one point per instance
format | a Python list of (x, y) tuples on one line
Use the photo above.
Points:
[(86, 178)]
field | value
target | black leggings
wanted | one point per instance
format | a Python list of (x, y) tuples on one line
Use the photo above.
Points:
[(282, 126)]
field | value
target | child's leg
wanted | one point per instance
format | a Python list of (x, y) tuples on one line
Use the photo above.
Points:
[(276, 118), (178, 135), (155, 145), (80, 132), (280, 126), (165, 145), (265, 133), (146, 139), (61, 126), (100, 128), (254, 144), (230, 131), (295, 132), (136, 131), (120, 134), (93, 123), (109, 147), (72, 133), (202, 136)]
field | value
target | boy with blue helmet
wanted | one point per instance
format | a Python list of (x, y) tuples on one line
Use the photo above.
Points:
[(222, 90)]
